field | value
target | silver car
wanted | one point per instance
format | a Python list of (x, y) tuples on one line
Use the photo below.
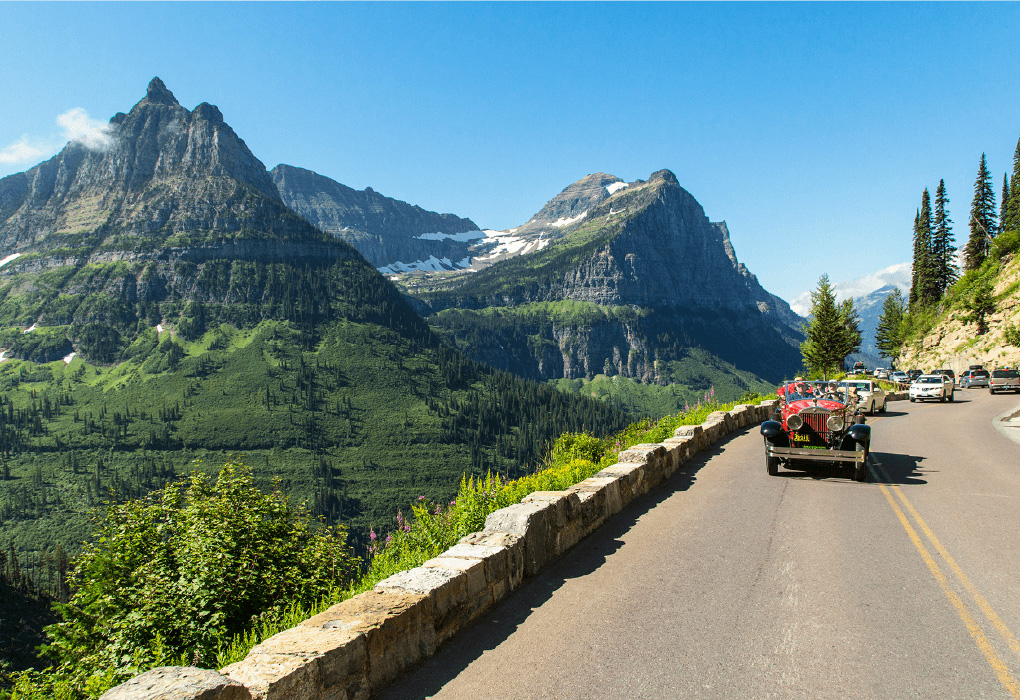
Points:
[(974, 377), (870, 396)]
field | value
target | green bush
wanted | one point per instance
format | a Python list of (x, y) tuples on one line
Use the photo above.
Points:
[(172, 574)]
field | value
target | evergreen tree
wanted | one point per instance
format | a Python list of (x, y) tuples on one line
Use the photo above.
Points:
[(1004, 205), (889, 333), (980, 306), (915, 272), (982, 218), (1013, 210), (832, 333), (942, 248), (927, 284)]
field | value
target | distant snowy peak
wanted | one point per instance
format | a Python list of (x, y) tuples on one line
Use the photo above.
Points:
[(896, 276)]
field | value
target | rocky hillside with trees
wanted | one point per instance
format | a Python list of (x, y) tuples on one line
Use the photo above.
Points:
[(954, 318)]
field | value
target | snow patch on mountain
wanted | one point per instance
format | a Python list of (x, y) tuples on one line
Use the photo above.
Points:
[(433, 264), (459, 237), (615, 187), (564, 221), (10, 257)]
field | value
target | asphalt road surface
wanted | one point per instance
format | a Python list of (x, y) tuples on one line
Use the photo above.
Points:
[(728, 583)]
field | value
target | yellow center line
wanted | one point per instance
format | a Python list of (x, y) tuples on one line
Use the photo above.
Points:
[(976, 633), (986, 608)]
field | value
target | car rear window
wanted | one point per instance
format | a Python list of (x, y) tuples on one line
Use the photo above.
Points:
[(1005, 374), (980, 373)]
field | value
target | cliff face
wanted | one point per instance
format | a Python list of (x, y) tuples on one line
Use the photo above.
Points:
[(954, 343), (169, 208), (646, 245), (393, 235)]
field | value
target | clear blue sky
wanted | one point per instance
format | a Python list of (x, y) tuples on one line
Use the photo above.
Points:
[(810, 128)]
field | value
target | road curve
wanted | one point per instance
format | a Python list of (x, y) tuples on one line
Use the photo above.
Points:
[(728, 583)]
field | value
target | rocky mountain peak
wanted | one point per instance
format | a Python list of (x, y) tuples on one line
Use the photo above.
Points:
[(157, 93), (208, 112)]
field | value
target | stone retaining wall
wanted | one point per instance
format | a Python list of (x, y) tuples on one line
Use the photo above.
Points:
[(363, 643)]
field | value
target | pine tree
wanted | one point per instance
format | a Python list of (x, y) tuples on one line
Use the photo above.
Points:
[(889, 333), (982, 218), (942, 248), (1013, 210), (832, 333), (915, 270), (1004, 205), (927, 285)]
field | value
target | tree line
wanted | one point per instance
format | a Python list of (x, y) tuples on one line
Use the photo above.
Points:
[(993, 231)]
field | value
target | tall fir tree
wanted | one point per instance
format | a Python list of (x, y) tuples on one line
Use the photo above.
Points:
[(942, 248), (982, 218), (924, 284), (1004, 205), (915, 269), (832, 333), (1013, 210), (889, 332)]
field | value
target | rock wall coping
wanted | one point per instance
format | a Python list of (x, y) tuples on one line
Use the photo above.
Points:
[(363, 643)]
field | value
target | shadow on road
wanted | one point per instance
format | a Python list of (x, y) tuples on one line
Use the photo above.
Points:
[(496, 625), (900, 468)]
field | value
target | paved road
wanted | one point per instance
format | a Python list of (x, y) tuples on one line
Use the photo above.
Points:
[(728, 583)]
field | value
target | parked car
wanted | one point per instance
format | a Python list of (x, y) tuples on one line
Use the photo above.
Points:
[(1004, 380), (870, 396), (932, 386), (900, 377), (974, 377), (881, 373), (859, 368), (914, 374), (946, 373), (810, 429)]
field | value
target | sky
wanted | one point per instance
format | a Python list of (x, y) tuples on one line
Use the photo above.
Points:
[(810, 128)]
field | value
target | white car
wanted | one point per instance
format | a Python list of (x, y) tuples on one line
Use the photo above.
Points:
[(900, 377), (870, 396), (881, 373), (932, 386)]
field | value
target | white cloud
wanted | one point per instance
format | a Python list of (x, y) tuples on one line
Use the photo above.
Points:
[(897, 275), (20, 152), (81, 128)]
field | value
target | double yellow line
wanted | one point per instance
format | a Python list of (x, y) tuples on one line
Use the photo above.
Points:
[(893, 493)]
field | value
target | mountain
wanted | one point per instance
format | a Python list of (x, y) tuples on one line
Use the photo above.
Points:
[(393, 235), (630, 279), (869, 293), (163, 310)]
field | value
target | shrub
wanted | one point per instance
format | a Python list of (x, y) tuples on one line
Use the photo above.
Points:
[(1012, 335), (172, 574)]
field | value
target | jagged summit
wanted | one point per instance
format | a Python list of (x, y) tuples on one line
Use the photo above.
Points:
[(157, 93)]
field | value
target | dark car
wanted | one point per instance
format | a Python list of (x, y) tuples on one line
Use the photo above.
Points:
[(811, 428), (946, 373), (1004, 380), (914, 374)]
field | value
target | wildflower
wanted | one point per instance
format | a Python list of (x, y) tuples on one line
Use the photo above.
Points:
[(439, 509), (407, 527), (371, 534), (453, 502), (421, 498), (389, 538), (400, 518)]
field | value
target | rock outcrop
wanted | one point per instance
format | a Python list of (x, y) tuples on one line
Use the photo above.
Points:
[(166, 208), (954, 342), (647, 246), (393, 235)]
